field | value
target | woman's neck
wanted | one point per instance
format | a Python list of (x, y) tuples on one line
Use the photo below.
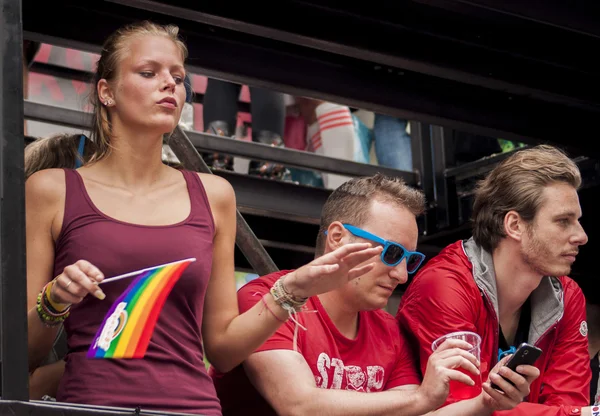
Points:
[(135, 160)]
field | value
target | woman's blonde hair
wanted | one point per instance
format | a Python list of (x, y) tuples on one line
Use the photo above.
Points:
[(517, 184), (107, 68), (58, 151)]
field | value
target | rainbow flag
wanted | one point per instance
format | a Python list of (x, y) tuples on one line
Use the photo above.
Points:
[(129, 324)]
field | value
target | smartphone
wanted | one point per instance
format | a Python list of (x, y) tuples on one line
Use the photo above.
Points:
[(524, 355)]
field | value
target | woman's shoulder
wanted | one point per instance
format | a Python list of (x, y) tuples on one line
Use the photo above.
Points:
[(218, 189), (47, 186)]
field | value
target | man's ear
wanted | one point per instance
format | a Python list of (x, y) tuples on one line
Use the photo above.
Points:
[(514, 225), (335, 235)]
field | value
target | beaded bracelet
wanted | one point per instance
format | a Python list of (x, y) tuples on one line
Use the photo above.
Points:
[(49, 316)]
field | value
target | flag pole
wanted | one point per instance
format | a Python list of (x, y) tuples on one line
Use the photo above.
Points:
[(123, 276)]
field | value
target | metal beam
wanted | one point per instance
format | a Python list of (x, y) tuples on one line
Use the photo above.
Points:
[(423, 162), (61, 71), (13, 284), (495, 65), (446, 202), (414, 94), (478, 167), (56, 115), (252, 150), (86, 76), (276, 198), (296, 158), (47, 408), (582, 19)]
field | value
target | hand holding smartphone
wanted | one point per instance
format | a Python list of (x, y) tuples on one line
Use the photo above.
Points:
[(525, 355)]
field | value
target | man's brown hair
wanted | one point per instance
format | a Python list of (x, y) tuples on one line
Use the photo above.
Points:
[(517, 184), (350, 203)]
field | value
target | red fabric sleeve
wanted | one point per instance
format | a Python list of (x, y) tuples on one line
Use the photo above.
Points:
[(566, 382), (406, 370), (436, 303), (249, 295)]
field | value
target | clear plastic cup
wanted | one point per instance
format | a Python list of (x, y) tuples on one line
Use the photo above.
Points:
[(458, 390)]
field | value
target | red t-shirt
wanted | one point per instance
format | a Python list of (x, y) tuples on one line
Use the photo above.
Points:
[(378, 359)]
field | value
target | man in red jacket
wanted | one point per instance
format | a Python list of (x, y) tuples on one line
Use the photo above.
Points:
[(349, 358), (507, 283)]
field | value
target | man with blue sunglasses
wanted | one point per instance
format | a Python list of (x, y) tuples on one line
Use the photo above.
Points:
[(393, 253), (341, 344)]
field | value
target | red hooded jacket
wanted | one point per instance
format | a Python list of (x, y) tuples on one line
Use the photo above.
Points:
[(456, 291)]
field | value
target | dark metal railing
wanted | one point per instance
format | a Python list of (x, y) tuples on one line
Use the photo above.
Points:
[(13, 286), (209, 142)]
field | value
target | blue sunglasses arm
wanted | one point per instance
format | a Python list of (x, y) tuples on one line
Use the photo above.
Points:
[(364, 234)]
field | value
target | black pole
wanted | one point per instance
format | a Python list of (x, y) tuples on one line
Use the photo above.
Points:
[(245, 239), (13, 284)]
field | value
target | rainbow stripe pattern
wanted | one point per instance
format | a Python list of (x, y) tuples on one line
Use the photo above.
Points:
[(130, 322)]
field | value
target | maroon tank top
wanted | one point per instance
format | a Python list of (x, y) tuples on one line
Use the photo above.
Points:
[(172, 376)]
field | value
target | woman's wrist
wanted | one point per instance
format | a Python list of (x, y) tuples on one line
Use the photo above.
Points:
[(285, 299), (289, 285), (49, 314), (56, 305)]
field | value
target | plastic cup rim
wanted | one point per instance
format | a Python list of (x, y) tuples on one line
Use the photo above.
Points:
[(451, 334)]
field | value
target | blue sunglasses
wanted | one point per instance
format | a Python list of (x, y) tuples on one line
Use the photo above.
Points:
[(393, 253)]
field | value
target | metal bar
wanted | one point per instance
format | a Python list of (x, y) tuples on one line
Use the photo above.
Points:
[(277, 199), (245, 238), (445, 192), (220, 18), (251, 150), (288, 246), (294, 158), (306, 71), (13, 304), (61, 72), (480, 166), (423, 162), (57, 115), (589, 167), (86, 76), (249, 210), (583, 20), (47, 408)]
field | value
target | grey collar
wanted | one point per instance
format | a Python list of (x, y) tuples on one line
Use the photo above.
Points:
[(547, 304)]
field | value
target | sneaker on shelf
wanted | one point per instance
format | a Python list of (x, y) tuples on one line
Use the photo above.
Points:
[(269, 170), (216, 160)]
